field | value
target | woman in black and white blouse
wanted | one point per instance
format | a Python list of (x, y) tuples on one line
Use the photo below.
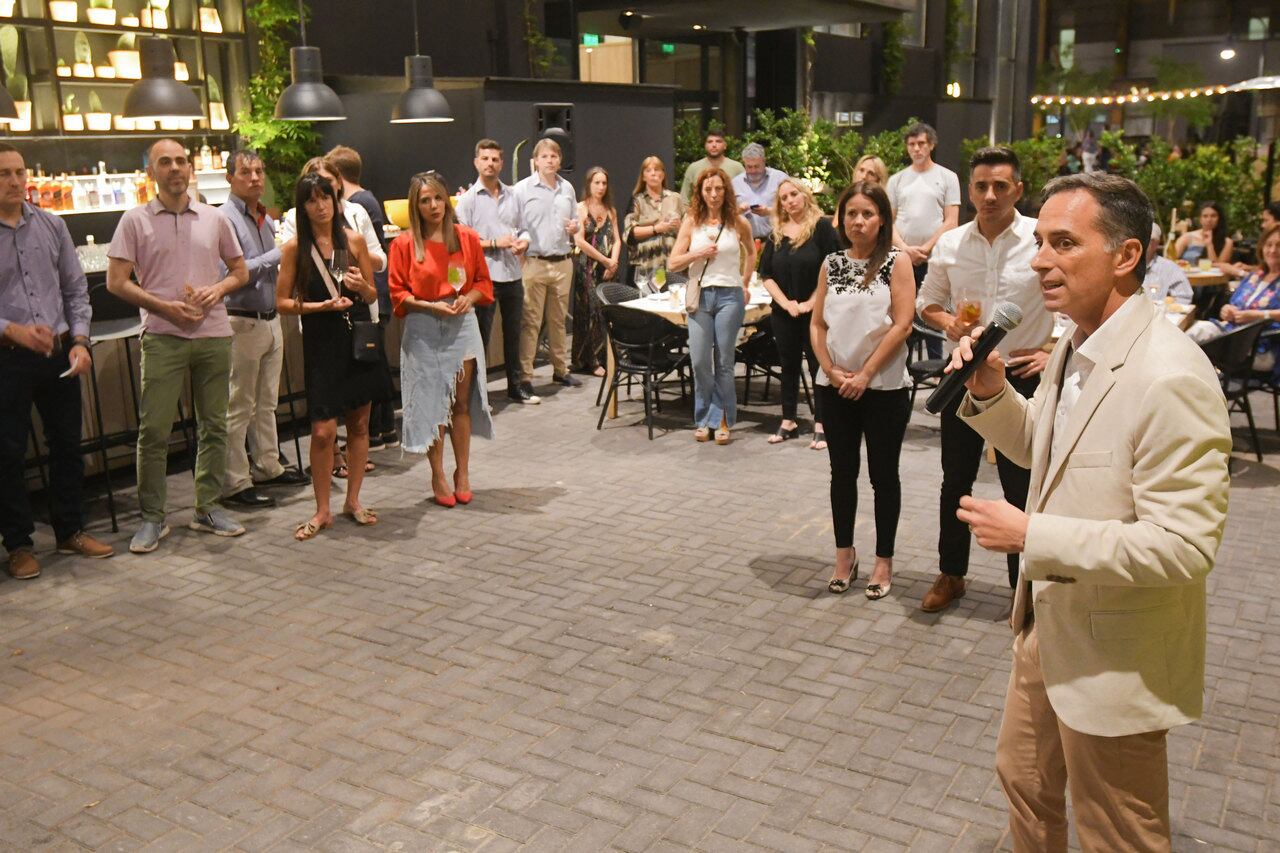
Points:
[(861, 320)]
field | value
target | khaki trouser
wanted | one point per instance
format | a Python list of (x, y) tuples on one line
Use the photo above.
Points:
[(257, 353), (166, 360), (1119, 785), (546, 294)]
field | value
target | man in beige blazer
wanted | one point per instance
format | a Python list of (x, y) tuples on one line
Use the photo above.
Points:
[(1127, 439)]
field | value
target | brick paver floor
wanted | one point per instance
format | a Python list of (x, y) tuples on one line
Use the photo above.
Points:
[(621, 644)]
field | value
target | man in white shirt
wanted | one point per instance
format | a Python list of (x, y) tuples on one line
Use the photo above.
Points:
[(974, 268), (1127, 440), (1164, 277), (926, 204), (757, 190)]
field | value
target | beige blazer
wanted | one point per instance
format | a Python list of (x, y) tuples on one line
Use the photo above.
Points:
[(1124, 524)]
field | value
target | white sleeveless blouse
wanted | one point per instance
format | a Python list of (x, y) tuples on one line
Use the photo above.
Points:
[(725, 269), (858, 316)]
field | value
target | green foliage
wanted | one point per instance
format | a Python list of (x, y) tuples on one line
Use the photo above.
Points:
[(69, 105), (95, 103), (17, 86), (215, 91), (890, 147), (1230, 174), (1172, 75), (893, 57), (542, 51), (127, 41), (689, 137), (9, 49), (285, 145), (101, 4), (83, 53)]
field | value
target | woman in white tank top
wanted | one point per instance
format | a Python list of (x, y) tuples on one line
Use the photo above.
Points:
[(715, 245), (861, 320)]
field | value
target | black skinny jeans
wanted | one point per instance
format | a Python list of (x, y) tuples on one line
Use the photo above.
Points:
[(509, 295), (792, 337), (26, 379), (882, 417), (961, 458)]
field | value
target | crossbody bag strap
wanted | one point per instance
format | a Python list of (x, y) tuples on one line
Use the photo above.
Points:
[(324, 271), (707, 262)]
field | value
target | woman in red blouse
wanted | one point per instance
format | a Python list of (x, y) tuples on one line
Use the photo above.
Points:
[(437, 275)]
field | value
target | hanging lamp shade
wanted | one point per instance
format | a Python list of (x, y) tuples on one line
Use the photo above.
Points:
[(157, 95), (308, 98), (420, 101)]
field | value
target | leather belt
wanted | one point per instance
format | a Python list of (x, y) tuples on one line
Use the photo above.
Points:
[(253, 315), (555, 259)]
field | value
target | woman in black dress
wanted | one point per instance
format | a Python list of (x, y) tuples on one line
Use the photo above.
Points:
[(802, 237), (337, 384)]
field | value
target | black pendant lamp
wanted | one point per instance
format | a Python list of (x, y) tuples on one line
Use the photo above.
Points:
[(420, 101), (157, 95), (308, 98)]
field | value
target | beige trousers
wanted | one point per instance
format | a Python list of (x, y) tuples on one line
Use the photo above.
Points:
[(546, 294), (257, 352), (1119, 785)]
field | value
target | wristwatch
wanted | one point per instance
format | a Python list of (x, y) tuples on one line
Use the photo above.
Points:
[(81, 341)]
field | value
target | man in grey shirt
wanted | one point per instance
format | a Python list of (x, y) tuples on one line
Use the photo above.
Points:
[(257, 343), (490, 208), (1164, 277), (548, 213), (44, 350)]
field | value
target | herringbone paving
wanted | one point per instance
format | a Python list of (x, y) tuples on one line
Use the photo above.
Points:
[(620, 645)]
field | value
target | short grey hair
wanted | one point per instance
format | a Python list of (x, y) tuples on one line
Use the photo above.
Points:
[(753, 151), (1156, 233), (1124, 211)]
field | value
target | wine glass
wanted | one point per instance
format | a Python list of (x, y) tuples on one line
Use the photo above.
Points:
[(970, 311), (338, 264), (457, 277)]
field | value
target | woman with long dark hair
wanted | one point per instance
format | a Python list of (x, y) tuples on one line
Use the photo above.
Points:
[(599, 249), (862, 314), (715, 244), (1210, 240), (438, 277), (330, 299)]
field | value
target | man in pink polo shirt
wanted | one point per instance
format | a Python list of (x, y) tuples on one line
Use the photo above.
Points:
[(175, 246)]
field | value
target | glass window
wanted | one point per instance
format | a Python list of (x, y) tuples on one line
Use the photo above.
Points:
[(673, 64), (1259, 28)]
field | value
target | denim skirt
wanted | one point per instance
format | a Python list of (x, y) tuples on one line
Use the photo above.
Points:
[(432, 352)]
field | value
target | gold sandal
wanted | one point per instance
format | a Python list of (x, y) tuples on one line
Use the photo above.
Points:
[(702, 434), (363, 517), (308, 530), (722, 435)]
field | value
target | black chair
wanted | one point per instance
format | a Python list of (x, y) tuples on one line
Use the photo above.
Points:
[(613, 293), (642, 348), (759, 355), (1266, 381), (1232, 356), (924, 372)]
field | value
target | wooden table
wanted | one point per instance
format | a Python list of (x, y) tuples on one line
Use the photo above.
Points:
[(670, 309), (1213, 277)]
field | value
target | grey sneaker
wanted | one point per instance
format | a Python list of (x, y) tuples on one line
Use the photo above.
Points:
[(217, 523), (148, 537)]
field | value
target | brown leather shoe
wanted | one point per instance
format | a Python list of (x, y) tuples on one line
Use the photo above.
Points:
[(86, 546), (23, 565), (946, 589)]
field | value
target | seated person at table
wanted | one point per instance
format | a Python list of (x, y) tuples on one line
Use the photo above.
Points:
[(1257, 297), (1164, 278), (1270, 216), (1210, 240)]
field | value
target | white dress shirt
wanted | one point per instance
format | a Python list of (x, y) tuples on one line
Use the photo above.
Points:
[(965, 266)]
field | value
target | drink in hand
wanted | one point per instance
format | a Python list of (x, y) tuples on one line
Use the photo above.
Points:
[(457, 277), (970, 311)]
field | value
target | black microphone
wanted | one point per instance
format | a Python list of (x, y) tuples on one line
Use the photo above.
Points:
[(1004, 319)]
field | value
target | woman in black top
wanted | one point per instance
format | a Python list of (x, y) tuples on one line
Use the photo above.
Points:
[(802, 237)]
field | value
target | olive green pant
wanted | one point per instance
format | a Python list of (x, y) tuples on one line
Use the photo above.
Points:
[(166, 360)]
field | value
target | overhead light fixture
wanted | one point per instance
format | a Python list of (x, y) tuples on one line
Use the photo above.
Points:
[(157, 95), (307, 98), (1228, 53), (420, 101), (699, 27)]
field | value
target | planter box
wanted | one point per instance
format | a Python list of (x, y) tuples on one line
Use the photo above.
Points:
[(23, 123), (127, 63), (97, 121), (105, 17), (67, 11), (73, 122), (209, 20)]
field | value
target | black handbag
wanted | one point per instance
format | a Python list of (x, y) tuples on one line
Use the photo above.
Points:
[(366, 336)]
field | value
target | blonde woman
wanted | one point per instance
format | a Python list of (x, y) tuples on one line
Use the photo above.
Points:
[(871, 169), (789, 263), (650, 227), (716, 246), (438, 275)]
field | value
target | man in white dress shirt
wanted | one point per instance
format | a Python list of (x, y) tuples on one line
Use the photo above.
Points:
[(974, 268), (1164, 277)]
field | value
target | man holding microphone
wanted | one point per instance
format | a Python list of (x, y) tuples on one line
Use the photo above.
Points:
[(1127, 439)]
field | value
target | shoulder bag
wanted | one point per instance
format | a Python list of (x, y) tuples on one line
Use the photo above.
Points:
[(366, 337)]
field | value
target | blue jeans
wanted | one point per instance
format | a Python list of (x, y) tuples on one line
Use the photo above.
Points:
[(713, 340)]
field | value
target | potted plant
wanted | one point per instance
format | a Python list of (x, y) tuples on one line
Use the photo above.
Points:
[(124, 59), (67, 11), (62, 69), (6, 8), (83, 66), (97, 118), (209, 20), (155, 14), (217, 110), (71, 118), (101, 12), (17, 83)]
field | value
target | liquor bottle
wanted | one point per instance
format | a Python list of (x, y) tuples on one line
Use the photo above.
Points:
[(104, 189), (33, 189), (118, 194), (68, 193), (140, 188), (56, 203), (206, 155), (92, 199), (47, 200)]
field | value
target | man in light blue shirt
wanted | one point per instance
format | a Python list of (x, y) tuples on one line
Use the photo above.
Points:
[(548, 213), (257, 342), (490, 208), (757, 189), (1164, 277)]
